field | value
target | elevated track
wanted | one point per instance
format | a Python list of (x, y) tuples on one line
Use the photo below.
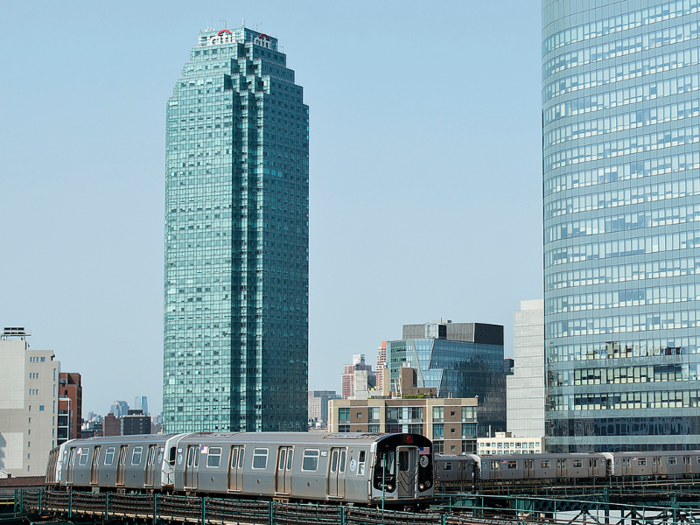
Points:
[(668, 505)]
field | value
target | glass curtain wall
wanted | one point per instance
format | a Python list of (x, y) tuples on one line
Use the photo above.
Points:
[(621, 186)]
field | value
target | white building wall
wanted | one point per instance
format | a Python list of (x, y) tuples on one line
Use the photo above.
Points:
[(525, 388), (28, 407)]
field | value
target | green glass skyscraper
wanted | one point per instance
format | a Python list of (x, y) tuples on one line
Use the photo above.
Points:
[(236, 240)]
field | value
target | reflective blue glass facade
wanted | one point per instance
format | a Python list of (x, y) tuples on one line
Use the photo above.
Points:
[(236, 240), (457, 368), (621, 187)]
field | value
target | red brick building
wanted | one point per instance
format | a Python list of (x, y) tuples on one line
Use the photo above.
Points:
[(70, 406)]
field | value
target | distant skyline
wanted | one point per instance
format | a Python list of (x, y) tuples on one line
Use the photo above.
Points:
[(425, 173)]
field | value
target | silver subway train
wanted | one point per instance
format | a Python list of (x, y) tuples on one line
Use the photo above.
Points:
[(472, 469), (353, 468)]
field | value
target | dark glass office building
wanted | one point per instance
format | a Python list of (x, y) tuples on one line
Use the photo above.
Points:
[(458, 360), (236, 240), (621, 165)]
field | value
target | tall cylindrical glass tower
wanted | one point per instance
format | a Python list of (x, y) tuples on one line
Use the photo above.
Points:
[(621, 189)]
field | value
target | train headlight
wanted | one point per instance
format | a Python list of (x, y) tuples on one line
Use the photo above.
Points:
[(390, 487), (421, 486)]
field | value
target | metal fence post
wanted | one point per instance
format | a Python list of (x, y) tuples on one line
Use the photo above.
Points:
[(442, 518), (271, 514), (155, 508), (70, 503), (204, 510), (342, 515), (17, 493), (41, 493), (106, 506)]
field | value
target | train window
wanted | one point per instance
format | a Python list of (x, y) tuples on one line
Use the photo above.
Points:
[(171, 456), (259, 458), (494, 465), (84, 453), (190, 456), (512, 464), (448, 466), (361, 463), (341, 463), (403, 461), (234, 457), (241, 457), (283, 456), (334, 461), (109, 456), (642, 461), (578, 463), (214, 457), (545, 463), (697, 458), (309, 462), (136, 456), (388, 459), (290, 457), (672, 460)]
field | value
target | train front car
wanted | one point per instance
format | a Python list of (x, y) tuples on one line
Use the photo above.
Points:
[(403, 471)]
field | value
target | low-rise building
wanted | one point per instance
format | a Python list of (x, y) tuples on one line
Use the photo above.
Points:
[(28, 404), (70, 406), (505, 443), (357, 378), (135, 422), (525, 387), (318, 407), (111, 425), (450, 422)]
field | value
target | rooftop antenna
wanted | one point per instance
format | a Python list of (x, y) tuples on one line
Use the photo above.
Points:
[(243, 23), (224, 21)]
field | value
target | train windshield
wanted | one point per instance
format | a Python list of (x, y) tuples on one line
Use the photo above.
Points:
[(389, 459)]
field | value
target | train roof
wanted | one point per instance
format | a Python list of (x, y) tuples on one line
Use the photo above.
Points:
[(292, 438), (121, 440), (543, 456), (655, 453)]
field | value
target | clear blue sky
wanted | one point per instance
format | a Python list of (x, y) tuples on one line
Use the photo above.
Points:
[(425, 172)]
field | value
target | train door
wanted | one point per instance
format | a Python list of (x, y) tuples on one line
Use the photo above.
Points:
[(495, 470), (150, 474), (407, 477), (561, 468), (336, 476), (95, 466), (71, 466), (528, 468), (192, 467), (235, 473), (592, 468), (656, 465), (626, 468), (283, 476), (687, 465), (121, 464)]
